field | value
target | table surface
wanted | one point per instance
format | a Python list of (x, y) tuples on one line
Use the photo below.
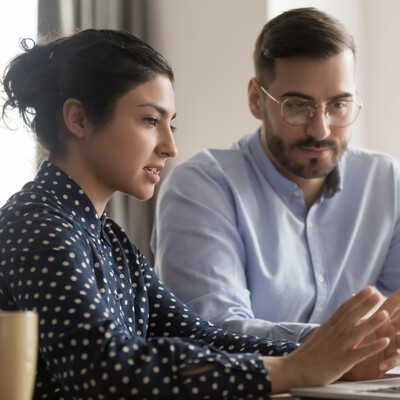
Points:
[(287, 396)]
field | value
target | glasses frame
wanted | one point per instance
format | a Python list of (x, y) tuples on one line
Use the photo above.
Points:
[(312, 113)]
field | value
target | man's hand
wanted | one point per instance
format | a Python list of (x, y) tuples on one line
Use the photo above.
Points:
[(341, 344), (377, 365)]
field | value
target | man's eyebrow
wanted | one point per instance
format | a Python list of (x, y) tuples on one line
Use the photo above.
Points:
[(343, 95), (158, 108), (296, 94), (307, 97)]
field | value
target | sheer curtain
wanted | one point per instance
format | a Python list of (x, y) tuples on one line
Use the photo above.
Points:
[(64, 17)]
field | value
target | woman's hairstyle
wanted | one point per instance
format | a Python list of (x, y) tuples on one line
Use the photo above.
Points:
[(299, 32), (96, 67)]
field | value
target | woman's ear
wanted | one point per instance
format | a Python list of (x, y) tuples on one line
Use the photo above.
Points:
[(254, 98), (75, 118)]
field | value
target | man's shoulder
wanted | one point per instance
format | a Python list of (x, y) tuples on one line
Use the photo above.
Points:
[(214, 157), (210, 165), (359, 166), (364, 153), (217, 168), (366, 157)]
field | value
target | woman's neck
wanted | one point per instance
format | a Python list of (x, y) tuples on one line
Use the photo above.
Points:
[(93, 188)]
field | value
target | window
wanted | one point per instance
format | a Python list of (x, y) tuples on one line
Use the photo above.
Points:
[(17, 146)]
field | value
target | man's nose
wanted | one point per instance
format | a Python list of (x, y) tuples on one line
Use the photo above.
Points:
[(318, 125)]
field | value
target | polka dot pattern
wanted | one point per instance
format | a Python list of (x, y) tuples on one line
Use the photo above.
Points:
[(108, 328)]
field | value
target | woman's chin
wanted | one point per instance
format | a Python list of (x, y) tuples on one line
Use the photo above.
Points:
[(143, 196)]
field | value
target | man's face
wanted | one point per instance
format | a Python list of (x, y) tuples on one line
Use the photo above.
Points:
[(314, 149)]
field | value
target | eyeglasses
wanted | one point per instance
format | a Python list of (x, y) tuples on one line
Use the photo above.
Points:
[(298, 111)]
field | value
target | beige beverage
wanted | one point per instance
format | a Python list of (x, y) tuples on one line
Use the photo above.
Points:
[(18, 353)]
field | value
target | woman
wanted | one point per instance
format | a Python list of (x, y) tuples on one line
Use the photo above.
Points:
[(102, 102)]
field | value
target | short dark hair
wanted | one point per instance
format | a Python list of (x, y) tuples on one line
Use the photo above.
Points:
[(299, 32), (94, 66)]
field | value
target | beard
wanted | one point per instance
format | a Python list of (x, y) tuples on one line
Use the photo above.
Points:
[(311, 168)]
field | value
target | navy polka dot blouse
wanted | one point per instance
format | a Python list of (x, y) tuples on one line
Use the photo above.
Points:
[(108, 328)]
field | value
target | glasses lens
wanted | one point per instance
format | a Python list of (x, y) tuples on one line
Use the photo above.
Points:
[(342, 113), (296, 110)]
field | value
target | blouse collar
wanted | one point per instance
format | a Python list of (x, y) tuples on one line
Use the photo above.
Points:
[(70, 197)]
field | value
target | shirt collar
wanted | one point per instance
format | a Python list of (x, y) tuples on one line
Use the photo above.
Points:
[(282, 185), (70, 197)]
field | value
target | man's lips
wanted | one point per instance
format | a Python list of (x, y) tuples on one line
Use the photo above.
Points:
[(315, 144), (315, 151)]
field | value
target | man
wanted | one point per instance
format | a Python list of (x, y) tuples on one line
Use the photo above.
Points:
[(272, 235)]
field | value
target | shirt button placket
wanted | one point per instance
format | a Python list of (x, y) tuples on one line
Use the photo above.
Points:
[(318, 267)]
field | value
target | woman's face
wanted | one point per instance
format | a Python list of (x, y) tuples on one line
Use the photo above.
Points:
[(128, 153)]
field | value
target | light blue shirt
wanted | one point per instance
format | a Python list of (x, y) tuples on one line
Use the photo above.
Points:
[(234, 240)]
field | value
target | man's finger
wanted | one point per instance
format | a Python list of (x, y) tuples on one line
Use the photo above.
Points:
[(358, 333), (391, 303), (390, 362), (351, 303)]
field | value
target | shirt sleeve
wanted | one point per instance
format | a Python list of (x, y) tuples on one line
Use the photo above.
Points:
[(389, 277), (90, 354), (167, 311), (201, 254)]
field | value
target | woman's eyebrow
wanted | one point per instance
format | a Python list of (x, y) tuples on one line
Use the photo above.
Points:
[(164, 113)]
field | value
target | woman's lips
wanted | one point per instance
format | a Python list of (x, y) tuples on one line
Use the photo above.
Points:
[(152, 173)]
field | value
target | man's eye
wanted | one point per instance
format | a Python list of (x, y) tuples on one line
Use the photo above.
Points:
[(339, 104), (339, 107), (298, 104)]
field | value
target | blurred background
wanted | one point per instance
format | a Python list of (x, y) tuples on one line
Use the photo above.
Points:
[(209, 44)]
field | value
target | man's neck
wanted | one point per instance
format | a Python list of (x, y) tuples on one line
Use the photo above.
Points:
[(312, 188)]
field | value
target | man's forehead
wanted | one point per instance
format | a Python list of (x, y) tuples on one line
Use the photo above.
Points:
[(302, 73)]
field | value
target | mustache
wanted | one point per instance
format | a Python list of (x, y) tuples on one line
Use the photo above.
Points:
[(311, 142)]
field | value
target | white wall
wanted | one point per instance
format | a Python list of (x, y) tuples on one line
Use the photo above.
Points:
[(381, 29), (210, 42)]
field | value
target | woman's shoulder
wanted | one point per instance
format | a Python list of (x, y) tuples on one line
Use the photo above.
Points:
[(32, 199), (33, 214)]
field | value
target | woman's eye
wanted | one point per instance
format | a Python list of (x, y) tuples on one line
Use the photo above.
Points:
[(173, 128), (151, 121)]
